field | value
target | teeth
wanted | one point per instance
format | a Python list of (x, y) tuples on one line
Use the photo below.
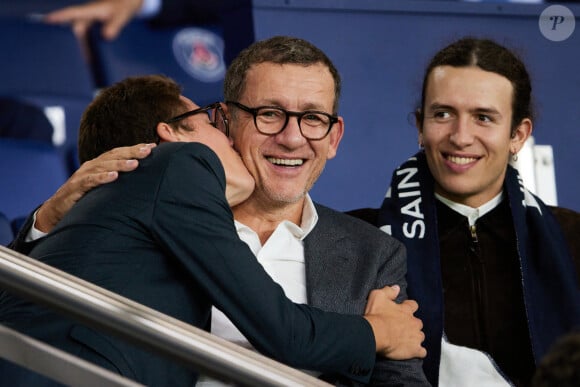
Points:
[(289, 162), (461, 160)]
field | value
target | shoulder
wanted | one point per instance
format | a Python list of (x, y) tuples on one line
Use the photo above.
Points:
[(353, 225), (177, 149), (566, 216), (327, 214), (369, 215), (569, 222), (185, 161), (184, 154)]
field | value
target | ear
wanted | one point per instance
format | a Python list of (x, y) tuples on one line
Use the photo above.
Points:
[(226, 109), (335, 136), (521, 134), (166, 133)]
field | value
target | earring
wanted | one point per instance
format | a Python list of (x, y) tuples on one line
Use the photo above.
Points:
[(514, 157)]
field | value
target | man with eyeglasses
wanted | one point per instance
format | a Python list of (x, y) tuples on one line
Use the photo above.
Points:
[(282, 102), (164, 236), (271, 120)]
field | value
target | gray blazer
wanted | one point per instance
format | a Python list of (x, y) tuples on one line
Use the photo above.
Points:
[(345, 259)]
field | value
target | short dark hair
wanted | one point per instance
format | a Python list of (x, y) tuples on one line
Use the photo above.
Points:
[(127, 113), (280, 50), (489, 56)]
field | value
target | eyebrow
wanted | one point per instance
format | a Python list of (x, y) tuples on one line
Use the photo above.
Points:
[(479, 110), (308, 106), (437, 106), (490, 111)]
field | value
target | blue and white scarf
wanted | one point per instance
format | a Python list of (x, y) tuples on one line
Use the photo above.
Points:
[(551, 291)]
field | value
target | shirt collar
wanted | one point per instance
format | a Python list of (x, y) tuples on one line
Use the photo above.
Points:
[(309, 220), (472, 214)]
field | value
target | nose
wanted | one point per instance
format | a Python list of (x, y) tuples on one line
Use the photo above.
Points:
[(291, 136), (461, 132)]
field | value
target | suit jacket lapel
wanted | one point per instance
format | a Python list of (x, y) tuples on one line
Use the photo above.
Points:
[(330, 261)]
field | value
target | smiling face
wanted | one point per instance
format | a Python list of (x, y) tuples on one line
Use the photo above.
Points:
[(197, 128), (285, 165), (466, 132)]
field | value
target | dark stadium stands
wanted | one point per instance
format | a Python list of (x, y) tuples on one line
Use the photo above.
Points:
[(6, 234), (30, 172), (193, 56), (44, 65)]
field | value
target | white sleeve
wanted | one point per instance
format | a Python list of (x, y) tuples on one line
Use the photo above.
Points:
[(34, 233)]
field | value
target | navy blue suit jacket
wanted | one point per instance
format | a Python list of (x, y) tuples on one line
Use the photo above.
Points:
[(164, 236)]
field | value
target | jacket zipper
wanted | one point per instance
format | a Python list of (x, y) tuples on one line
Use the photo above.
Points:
[(480, 306)]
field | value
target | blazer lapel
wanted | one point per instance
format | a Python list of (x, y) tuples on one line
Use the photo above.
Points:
[(330, 262)]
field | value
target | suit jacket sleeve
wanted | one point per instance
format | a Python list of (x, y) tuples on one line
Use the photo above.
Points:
[(192, 221), (19, 243), (394, 372)]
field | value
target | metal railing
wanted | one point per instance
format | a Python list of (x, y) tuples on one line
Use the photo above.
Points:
[(144, 326)]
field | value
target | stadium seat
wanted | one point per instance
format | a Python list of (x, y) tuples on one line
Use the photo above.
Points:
[(21, 119), (30, 172), (44, 65), (192, 56), (6, 234)]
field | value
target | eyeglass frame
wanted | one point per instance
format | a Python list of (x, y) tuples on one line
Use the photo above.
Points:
[(333, 119), (208, 108)]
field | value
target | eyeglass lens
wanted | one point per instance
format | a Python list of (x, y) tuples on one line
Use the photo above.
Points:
[(313, 125)]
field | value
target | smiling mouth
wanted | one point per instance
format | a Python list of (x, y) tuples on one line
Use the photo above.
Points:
[(460, 160), (286, 162)]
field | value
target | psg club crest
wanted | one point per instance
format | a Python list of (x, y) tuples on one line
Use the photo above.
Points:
[(200, 53)]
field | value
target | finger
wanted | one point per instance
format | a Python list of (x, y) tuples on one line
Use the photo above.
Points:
[(396, 289), (94, 180), (102, 164), (422, 353), (120, 165), (96, 10), (80, 28), (77, 186), (391, 292), (138, 151), (411, 305), (113, 27), (376, 298), (66, 15)]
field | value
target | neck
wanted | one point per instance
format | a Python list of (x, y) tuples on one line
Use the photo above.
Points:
[(263, 217)]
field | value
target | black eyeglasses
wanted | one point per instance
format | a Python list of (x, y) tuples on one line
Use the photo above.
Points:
[(216, 114), (271, 120)]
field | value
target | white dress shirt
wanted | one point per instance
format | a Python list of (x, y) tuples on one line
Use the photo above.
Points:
[(282, 256)]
